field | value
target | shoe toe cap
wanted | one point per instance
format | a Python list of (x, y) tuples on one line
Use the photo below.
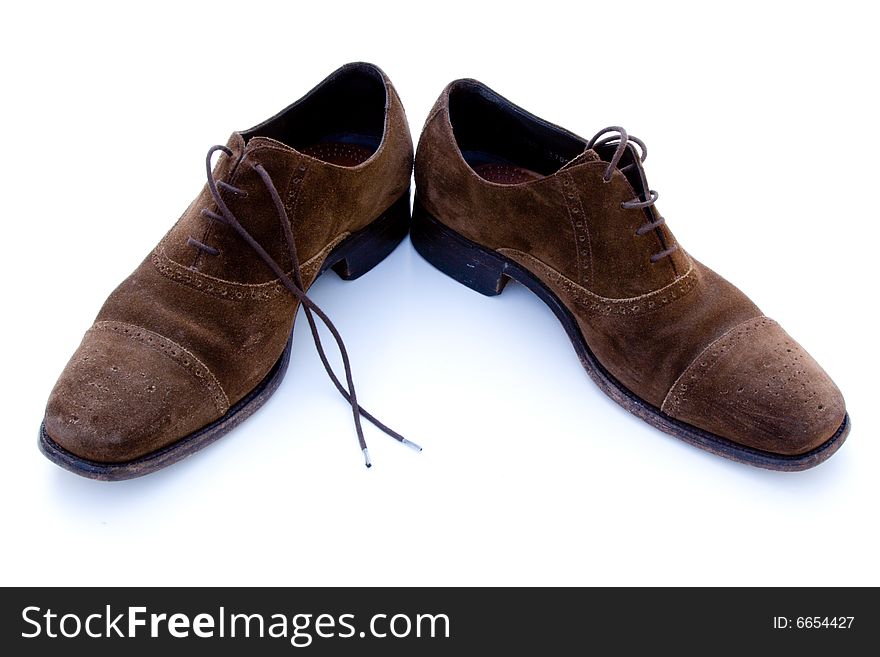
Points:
[(127, 392), (758, 387)]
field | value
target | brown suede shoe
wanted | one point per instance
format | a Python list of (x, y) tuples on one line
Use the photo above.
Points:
[(502, 194), (198, 337)]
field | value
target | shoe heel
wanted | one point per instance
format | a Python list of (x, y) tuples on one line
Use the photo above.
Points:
[(456, 256), (368, 247)]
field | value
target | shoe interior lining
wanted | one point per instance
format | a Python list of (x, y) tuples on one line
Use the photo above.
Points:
[(504, 143), (340, 121)]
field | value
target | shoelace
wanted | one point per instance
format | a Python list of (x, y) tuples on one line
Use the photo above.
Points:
[(622, 139), (294, 286)]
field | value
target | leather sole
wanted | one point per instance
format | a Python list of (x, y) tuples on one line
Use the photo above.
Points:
[(487, 272), (352, 258)]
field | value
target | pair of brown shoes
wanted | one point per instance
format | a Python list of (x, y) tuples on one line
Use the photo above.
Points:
[(198, 337)]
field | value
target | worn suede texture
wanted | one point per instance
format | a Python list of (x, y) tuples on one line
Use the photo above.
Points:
[(189, 334), (673, 332)]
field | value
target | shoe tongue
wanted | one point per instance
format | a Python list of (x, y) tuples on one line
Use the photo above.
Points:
[(587, 156), (631, 167), (635, 174), (225, 166)]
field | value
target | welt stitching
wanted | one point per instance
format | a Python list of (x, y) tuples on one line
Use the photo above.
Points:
[(195, 367), (677, 391)]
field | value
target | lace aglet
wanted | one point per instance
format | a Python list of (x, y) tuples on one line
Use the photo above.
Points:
[(411, 445), (367, 460)]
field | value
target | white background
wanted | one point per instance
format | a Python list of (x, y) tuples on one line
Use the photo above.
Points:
[(762, 126)]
